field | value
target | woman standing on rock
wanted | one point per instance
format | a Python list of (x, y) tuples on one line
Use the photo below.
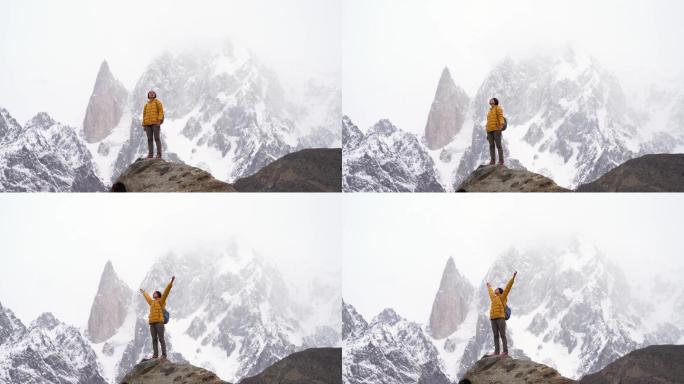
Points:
[(157, 317), (153, 116), (495, 125), (497, 314)]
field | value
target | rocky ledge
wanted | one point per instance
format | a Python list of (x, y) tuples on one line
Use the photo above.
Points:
[(497, 178), (648, 173)]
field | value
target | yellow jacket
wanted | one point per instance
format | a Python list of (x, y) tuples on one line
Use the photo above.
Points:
[(496, 311), (157, 306), (153, 113), (495, 118)]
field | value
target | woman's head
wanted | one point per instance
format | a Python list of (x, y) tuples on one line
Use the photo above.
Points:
[(151, 95), (493, 101), (498, 291), (156, 294)]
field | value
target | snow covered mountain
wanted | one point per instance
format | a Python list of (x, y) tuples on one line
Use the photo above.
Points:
[(569, 119), (573, 310), (225, 112), (46, 351), (44, 155), (389, 349), (385, 159), (231, 313)]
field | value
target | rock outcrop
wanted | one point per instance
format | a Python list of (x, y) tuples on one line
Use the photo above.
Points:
[(648, 173), (451, 302), (311, 366), (495, 178), (157, 175), (164, 372), (512, 371), (110, 306), (106, 105), (308, 170), (447, 113), (657, 364)]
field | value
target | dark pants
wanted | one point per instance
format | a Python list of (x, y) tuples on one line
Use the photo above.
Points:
[(153, 130), (499, 329), (157, 331), (494, 139)]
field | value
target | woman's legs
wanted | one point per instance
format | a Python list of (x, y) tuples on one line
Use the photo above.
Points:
[(502, 333), (490, 138), (499, 146), (157, 139), (157, 332), (495, 331), (149, 130)]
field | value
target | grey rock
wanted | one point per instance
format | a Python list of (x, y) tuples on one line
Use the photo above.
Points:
[(495, 178), (105, 107), (451, 303), (109, 307), (656, 364), (512, 371), (308, 170), (447, 113), (648, 173), (157, 175), (164, 372)]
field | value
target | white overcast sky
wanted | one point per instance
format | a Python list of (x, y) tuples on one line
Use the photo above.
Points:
[(395, 50), (50, 51), (396, 246), (54, 246)]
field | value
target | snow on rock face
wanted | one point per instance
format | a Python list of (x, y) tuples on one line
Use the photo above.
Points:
[(447, 113), (231, 313), (44, 156), (385, 159), (106, 105), (47, 351), (389, 349)]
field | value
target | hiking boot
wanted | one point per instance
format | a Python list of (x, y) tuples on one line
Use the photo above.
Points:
[(163, 357), (149, 156), (158, 156), (501, 163), (505, 354), (492, 162)]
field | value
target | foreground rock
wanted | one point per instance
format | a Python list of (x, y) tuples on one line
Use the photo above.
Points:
[(157, 175), (495, 178), (311, 366), (649, 173), (164, 371), (661, 364), (308, 170), (512, 371)]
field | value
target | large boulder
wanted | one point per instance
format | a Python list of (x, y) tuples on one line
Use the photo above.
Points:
[(308, 170), (648, 173), (311, 366), (657, 364), (163, 372), (497, 178), (157, 175), (508, 370)]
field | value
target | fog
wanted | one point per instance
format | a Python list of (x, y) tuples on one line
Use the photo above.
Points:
[(395, 50), (396, 246), (54, 247), (51, 51)]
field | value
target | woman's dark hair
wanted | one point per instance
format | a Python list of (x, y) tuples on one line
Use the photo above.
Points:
[(499, 290), (496, 101), (158, 294)]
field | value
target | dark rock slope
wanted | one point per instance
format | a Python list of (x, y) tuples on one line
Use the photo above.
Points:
[(657, 364), (311, 366), (495, 178), (308, 170), (648, 173)]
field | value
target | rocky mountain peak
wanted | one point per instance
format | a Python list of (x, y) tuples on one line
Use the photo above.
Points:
[(447, 113), (451, 303), (46, 321), (10, 325), (106, 105), (41, 120), (110, 306), (388, 316), (384, 127)]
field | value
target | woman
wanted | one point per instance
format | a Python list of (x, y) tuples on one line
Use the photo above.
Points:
[(497, 314), (495, 124), (157, 304), (153, 116)]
